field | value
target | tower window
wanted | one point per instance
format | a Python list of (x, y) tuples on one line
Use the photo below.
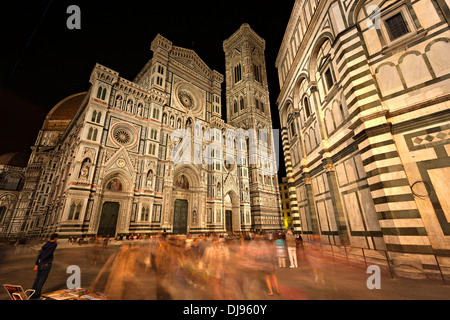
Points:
[(237, 73), (101, 93), (94, 116), (90, 133), (257, 72)]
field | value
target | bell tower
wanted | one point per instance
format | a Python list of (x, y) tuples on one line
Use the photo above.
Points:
[(248, 108)]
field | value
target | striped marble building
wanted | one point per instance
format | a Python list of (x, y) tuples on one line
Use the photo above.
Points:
[(364, 107)]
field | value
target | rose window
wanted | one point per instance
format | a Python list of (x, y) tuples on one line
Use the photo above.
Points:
[(186, 99), (122, 136)]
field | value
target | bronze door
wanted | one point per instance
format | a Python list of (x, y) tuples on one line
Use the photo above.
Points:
[(108, 220), (229, 220), (180, 217)]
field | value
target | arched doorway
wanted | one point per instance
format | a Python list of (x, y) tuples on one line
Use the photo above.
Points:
[(181, 205), (114, 199), (232, 221), (186, 199)]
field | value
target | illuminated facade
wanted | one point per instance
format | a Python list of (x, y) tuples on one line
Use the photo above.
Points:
[(104, 162), (286, 204), (364, 107)]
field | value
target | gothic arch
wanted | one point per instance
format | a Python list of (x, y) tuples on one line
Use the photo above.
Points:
[(352, 17), (192, 175), (326, 36), (301, 85), (122, 177)]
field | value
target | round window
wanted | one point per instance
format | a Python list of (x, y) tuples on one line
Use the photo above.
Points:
[(123, 135)]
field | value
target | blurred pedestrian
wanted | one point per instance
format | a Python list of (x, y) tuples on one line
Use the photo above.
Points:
[(291, 244), (280, 246), (43, 265), (106, 241)]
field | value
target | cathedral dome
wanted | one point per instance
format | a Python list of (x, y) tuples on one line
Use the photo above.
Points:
[(14, 159), (67, 108)]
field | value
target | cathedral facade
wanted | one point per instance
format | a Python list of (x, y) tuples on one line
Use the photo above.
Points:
[(154, 154), (365, 112)]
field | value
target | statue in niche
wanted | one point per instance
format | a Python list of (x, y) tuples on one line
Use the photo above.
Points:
[(84, 173), (118, 104), (129, 105), (114, 185), (140, 110), (182, 183), (150, 178)]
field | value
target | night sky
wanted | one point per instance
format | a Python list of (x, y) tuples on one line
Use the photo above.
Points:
[(43, 62)]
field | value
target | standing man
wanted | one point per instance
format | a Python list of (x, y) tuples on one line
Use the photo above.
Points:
[(43, 265), (292, 249)]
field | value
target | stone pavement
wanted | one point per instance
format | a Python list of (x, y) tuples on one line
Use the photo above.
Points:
[(335, 280)]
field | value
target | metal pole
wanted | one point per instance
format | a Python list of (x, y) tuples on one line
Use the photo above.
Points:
[(365, 262), (440, 270), (346, 255), (332, 252), (389, 265)]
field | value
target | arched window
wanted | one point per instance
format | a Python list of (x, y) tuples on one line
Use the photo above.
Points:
[(257, 72), (235, 107), (262, 107), (99, 117), (329, 122), (257, 103), (237, 73), (307, 143), (292, 128), (164, 118), (99, 92), (78, 211), (145, 214), (2, 213), (94, 137), (307, 107), (90, 134), (72, 211), (94, 116), (242, 104)]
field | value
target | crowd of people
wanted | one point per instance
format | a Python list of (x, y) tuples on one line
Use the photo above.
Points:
[(205, 266)]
